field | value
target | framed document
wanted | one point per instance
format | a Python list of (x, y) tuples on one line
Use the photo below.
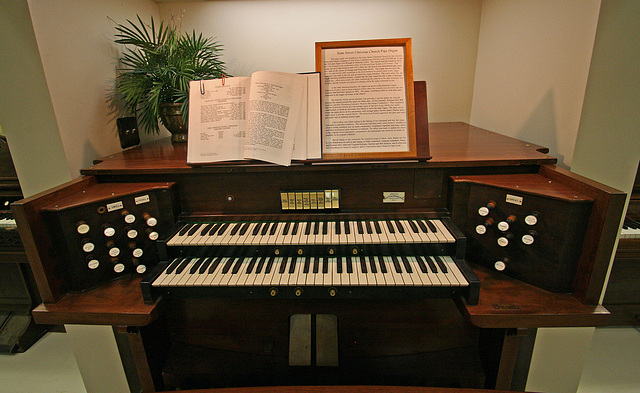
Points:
[(368, 109)]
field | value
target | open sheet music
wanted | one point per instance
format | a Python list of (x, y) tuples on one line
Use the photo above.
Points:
[(270, 116)]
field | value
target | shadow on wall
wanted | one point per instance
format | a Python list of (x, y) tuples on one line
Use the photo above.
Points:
[(541, 128)]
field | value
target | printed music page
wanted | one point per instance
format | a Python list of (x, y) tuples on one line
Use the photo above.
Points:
[(254, 117), (217, 119), (365, 104)]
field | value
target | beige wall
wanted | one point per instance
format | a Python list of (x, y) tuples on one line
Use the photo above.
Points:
[(279, 35), (75, 40), (26, 113), (532, 68), (608, 145)]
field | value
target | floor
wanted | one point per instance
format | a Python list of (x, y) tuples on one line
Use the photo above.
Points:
[(49, 365)]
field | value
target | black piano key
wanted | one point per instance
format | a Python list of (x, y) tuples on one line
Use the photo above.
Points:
[(256, 229), (383, 265), (195, 266), (223, 228), (214, 229), (172, 267), (413, 226), (324, 228), (368, 225), (205, 264), (360, 228), (236, 228), (316, 227), (206, 229), (432, 227), (349, 265), (228, 265), (407, 265), (292, 265), (183, 265), (421, 264), (338, 229), (294, 230), (307, 228), (440, 262), (251, 265), (376, 225), (316, 264), (244, 228), (431, 264), (236, 267), (185, 229), (390, 226), (260, 265), (265, 228), (274, 228), (193, 229), (363, 265), (307, 262), (283, 265), (400, 227), (268, 266), (214, 265), (347, 229), (396, 264), (372, 265), (339, 264), (422, 226), (325, 265), (285, 230)]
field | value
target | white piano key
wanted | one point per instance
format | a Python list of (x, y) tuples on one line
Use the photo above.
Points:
[(391, 270), (191, 234), (235, 277), (302, 276), (360, 278), (364, 277), (453, 268), (200, 277), (270, 276), (415, 272), (181, 278), (234, 234), (211, 277), (404, 233), (164, 275), (442, 229), (177, 238), (420, 278), (192, 277)]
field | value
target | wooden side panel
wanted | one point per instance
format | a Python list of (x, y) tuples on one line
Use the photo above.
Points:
[(601, 233), (35, 236)]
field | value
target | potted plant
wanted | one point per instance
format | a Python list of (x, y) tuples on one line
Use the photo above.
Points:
[(157, 64)]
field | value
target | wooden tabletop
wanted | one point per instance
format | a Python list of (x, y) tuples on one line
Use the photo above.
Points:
[(451, 144), (116, 303), (506, 302)]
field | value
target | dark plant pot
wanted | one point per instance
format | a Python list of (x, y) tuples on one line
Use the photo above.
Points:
[(171, 117)]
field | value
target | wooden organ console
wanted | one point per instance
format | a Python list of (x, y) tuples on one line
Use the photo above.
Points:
[(452, 308)]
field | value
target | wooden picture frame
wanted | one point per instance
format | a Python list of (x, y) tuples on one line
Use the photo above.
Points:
[(335, 60)]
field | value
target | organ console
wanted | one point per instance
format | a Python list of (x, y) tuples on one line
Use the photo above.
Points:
[(405, 274)]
